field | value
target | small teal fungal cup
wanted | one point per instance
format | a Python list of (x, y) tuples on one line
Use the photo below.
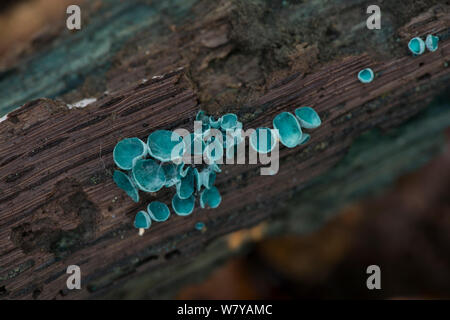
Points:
[(416, 46), (183, 207), (127, 151), (214, 123), (201, 116), (158, 211), (431, 42), (365, 76), (289, 131), (210, 197), (263, 140), (124, 182), (308, 117), (185, 188), (142, 220), (165, 145), (199, 226), (228, 121), (148, 175)]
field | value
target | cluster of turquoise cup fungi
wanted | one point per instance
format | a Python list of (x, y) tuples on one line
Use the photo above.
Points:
[(151, 166), (416, 45)]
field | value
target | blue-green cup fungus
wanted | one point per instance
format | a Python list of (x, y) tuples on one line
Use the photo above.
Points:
[(165, 145), (199, 226), (289, 131), (228, 121), (431, 42), (263, 140), (183, 207), (365, 76), (416, 46), (158, 211), (308, 117), (127, 151), (148, 175), (142, 221), (186, 185), (124, 182), (210, 197)]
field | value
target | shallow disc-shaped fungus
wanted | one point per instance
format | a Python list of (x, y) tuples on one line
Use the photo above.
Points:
[(228, 121), (431, 42), (263, 140), (365, 76), (127, 151), (158, 211), (124, 182), (308, 117), (199, 226), (289, 130), (416, 46), (185, 188), (148, 175), (165, 145), (210, 197), (142, 220), (183, 207)]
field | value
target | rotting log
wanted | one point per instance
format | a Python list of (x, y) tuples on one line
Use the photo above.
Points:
[(59, 205)]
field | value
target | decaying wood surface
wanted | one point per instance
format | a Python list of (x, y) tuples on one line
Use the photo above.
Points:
[(59, 205)]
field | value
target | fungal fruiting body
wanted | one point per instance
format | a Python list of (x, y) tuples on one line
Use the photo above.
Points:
[(158, 211), (127, 151), (125, 183), (289, 131), (142, 221), (366, 75), (165, 145), (431, 42), (416, 46), (164, 168), (308, 117), (200, 226)]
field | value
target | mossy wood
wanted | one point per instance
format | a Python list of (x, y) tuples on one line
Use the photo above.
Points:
[(60, 206)]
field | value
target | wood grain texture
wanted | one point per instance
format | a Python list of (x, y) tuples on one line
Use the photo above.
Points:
[(59, 205)]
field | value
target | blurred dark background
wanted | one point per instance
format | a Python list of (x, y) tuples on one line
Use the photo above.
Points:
[(405, 231)]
